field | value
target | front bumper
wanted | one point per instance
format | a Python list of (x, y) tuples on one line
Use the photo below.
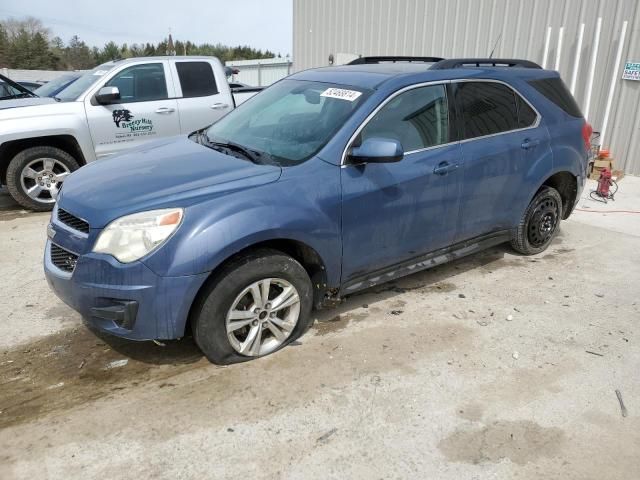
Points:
[(127, 300)]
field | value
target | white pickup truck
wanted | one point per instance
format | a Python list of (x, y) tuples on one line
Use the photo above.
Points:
[(116, 106)]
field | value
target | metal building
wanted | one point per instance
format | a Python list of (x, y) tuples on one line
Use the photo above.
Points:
[(472, 28)]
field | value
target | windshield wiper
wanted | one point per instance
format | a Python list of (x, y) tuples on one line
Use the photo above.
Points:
[(253, 155)]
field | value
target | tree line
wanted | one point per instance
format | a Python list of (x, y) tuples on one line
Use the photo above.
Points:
[(28, 44)]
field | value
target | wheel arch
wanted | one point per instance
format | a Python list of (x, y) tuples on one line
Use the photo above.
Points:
[(10, 149), (566, 183), (306, 255)]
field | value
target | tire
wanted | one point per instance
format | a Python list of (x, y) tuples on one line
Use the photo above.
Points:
[(210, 320), (50, 164), (539, 223)]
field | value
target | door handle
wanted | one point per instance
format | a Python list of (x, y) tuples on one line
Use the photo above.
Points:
[(527, 144), (219, 106), (445, 167), (165, 110)]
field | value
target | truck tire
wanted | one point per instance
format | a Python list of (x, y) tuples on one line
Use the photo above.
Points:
[(35, 175), (539, 224), (256, 305)]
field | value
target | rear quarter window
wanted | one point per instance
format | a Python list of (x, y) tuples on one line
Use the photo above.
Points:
[(557, 92)]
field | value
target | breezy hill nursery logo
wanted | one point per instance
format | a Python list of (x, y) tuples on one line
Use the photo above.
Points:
[(124, 119)]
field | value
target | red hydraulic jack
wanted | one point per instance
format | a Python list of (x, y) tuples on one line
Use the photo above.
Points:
[(603, 192)]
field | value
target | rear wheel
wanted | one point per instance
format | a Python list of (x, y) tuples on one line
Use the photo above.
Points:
[(35, 176), (256, 305), (539, 223)]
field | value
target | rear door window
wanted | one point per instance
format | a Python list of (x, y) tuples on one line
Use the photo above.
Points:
[(556, 91), (196, 79), (487, 108), (418, 119)]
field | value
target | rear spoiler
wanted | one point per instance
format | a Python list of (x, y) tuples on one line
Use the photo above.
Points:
[(17, 86)]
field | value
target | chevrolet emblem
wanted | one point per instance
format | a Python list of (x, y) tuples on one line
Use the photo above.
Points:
[(50, 231)]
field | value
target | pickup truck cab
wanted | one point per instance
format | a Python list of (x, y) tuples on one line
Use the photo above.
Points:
[(116, 106), (328, 182)]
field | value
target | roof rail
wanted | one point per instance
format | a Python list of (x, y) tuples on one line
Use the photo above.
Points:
[(393, 59), (483, 62)]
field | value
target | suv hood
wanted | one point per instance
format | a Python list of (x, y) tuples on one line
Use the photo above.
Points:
[(168, 173)]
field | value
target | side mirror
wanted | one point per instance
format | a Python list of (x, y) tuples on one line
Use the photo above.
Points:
[(377, 150), (107, 95)]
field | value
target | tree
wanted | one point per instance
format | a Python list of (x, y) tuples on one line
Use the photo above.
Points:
[(20, 50), (111, 51), (149, 50), (136, 50), (4, 48), (24, 43), (39, 53), (78, 56), (28, 25)]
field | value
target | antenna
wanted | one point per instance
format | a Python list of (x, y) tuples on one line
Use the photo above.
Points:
[(495, 45)]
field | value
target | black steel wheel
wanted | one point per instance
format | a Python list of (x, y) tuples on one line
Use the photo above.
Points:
[(539, 223)]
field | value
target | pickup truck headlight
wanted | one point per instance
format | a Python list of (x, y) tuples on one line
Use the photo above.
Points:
[(133, 236)]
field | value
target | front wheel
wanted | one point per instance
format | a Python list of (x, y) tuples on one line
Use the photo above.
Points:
[(539, 223), (256, 305), (35, 175)]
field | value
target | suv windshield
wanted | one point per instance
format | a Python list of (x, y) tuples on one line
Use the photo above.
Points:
[(77, 88), (290, 121), (7, 91)]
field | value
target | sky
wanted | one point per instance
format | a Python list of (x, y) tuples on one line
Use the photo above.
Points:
[(263, 24)]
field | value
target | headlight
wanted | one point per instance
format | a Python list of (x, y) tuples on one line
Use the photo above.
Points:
[(134, 236)]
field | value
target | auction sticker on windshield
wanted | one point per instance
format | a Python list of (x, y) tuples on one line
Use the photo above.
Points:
[(341, 93)]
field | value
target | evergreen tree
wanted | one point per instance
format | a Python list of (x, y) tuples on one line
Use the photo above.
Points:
[(78, 56), (149, 50), (20, 50), (40, 56), (4, 48), (24, 43), (111, 51)]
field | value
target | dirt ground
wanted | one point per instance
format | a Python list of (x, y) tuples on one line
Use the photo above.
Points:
[(496, 366)]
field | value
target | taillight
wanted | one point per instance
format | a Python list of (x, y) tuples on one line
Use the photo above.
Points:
[(587, 130)]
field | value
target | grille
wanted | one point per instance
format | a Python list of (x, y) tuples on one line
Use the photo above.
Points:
[(62, 259), (72, 221)]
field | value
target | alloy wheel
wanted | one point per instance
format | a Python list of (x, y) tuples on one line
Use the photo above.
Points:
[(42, 178), (263, 316)]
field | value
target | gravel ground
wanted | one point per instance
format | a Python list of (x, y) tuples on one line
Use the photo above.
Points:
[(494, 366)]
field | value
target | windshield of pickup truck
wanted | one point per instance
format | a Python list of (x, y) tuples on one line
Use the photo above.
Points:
[(290, 121), (77, 88), (55, 86)]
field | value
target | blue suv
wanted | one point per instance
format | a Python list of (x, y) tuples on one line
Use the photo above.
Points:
[(328, 182)]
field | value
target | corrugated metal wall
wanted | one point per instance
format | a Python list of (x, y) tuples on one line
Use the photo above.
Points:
[(463, 28)]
